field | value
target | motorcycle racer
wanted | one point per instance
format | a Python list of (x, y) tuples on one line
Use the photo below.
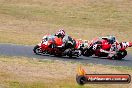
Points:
[(108, 45), (69, 45), (66, 40), (107, 39)]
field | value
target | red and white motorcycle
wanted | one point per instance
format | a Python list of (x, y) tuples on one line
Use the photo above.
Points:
[(115, 51), (50, 45)]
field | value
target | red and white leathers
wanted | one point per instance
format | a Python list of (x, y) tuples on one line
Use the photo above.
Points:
[(116, 46), (105, 45)]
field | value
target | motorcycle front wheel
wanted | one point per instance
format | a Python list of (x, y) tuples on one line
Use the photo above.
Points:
[(37, 50), (120, 55)]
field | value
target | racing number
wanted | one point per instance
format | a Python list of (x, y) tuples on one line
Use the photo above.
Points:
[(94, 47)]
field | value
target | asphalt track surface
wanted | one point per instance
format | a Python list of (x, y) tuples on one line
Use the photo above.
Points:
[(27, 51)]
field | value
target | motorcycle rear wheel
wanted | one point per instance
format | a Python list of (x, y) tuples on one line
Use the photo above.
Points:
[(87, 52)]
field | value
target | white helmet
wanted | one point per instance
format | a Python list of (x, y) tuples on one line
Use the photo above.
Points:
[(60, 33)]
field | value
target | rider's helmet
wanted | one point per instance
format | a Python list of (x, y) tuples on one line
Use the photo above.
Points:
[(60, 33), (111, 39)]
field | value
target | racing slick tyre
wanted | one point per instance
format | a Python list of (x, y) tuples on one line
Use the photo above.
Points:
[(37, 50), (123, 53), (120, 55), (68, 52), (87, 52)]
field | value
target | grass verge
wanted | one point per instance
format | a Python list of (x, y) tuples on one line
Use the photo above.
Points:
[(26, 21), (23, 72)]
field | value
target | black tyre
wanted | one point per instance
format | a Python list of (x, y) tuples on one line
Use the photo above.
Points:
[(87, 52), (120, 55), (123, 53), (37, 50), (68, 52)]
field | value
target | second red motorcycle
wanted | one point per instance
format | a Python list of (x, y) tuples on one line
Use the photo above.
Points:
[(116, 51)]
